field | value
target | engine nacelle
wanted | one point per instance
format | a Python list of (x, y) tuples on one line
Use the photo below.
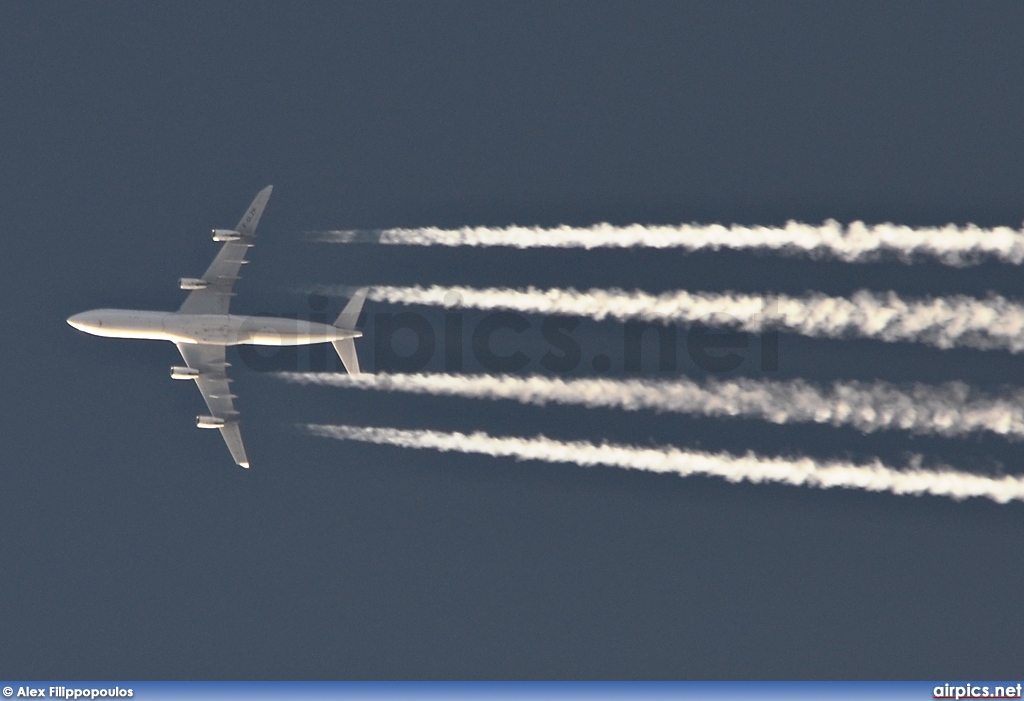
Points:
[(192, 283), (180, 373), (226, 235), (209, 421)]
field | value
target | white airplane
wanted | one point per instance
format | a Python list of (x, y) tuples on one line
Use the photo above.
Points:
[(202, 328)]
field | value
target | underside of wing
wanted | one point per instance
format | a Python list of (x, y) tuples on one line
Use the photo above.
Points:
[(214, 293), (215, 387), (233, 437)]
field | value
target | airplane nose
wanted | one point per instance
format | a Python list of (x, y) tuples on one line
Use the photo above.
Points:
[(78, 321)]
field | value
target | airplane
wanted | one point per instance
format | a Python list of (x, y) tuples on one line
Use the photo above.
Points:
[(203, 328)]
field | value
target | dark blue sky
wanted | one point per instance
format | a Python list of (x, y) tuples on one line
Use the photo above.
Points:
[(133, 548)]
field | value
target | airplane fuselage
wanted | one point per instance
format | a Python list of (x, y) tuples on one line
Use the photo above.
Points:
[(212, 329)]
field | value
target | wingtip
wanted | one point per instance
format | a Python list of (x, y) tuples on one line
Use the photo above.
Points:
[(244, 464)]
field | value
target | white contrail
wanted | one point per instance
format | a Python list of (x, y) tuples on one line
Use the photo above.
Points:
[(953, 409), (990, 323), (856, 242), (804, 471)]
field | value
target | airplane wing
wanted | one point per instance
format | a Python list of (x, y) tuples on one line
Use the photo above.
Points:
[(223, 271), (214, 385)]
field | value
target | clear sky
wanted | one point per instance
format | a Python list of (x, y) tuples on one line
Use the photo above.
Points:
[(132, 547)]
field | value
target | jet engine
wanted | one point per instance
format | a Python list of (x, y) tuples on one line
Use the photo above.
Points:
[(180, 373), (226, 235), (209, 421), (192, 283)]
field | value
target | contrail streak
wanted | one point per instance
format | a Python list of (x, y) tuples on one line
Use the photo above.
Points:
[(856, 242), (802, 471), (945, 322), (953, 409)]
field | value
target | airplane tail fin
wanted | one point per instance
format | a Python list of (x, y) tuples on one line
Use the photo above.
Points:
[(346, 347)]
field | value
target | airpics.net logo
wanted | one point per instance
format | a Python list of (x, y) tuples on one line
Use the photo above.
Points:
[(977, 691), (66, 692), (504, 341)]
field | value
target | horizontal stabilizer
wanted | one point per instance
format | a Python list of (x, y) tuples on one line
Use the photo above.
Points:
[(350, 314), (347, 352)]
